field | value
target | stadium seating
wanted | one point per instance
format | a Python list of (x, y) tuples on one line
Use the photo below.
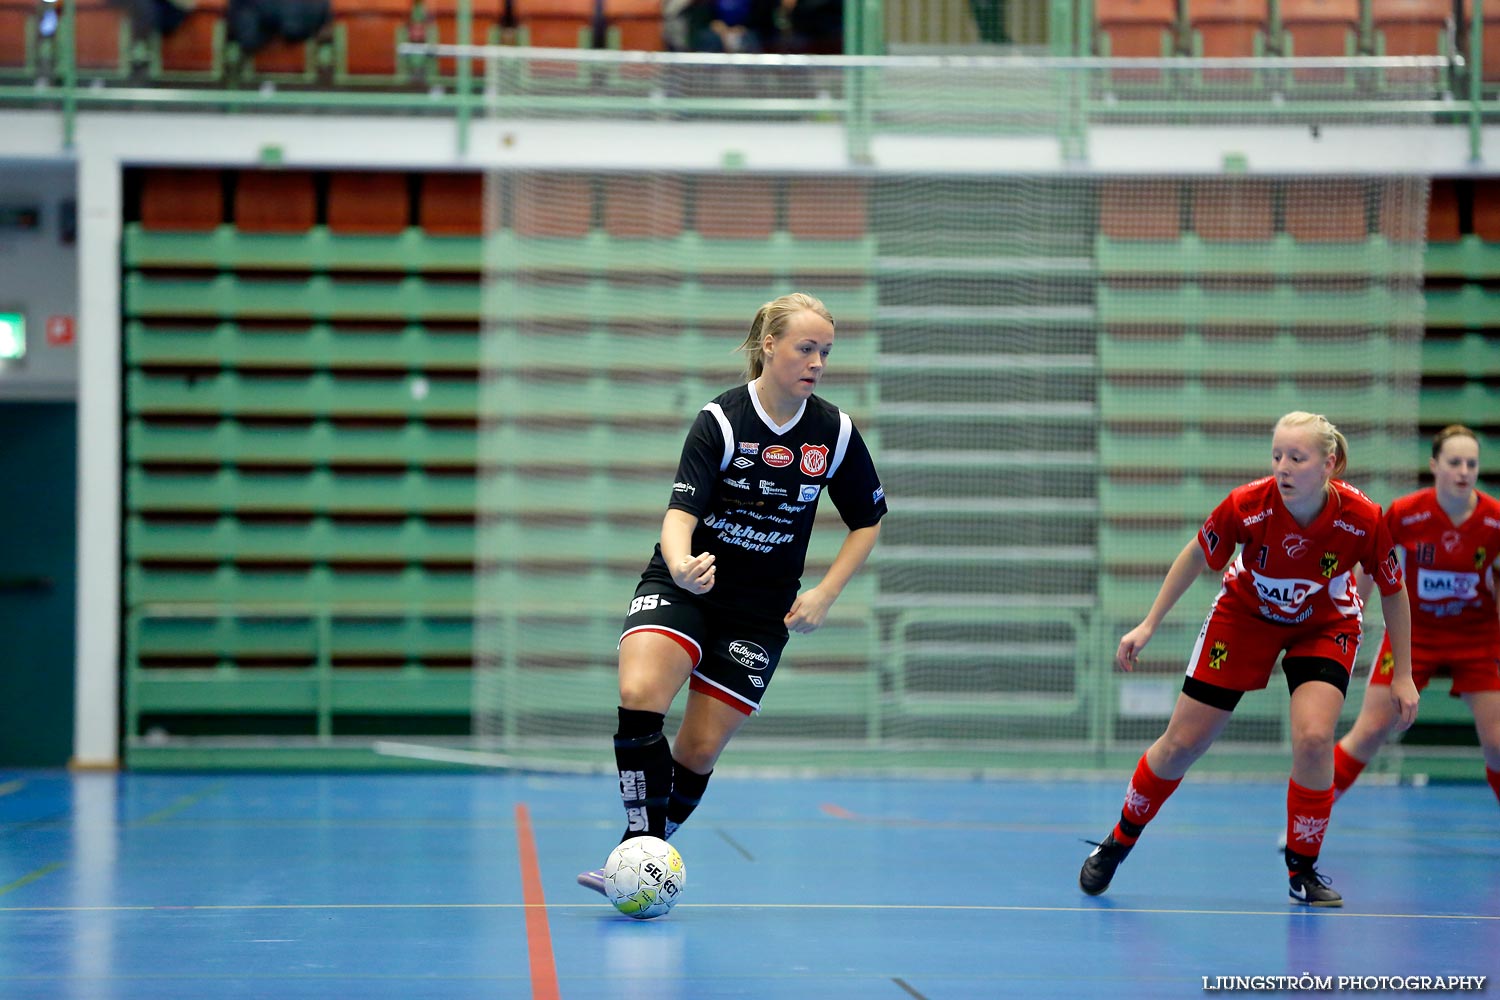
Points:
[(368, 203), (269, 201), (182, 200), (451, 204), (487, 16), (1136, 28), (735, 208), (1221, 28), (556, 24), (1490, 49), (634, 25), (1140, 210), (555, 205), (1487, 210), (102, 39), (1320, 28), (1410, 28), (366, 34), (18, 38), (1325, 213), (194, 49), (644, 208), (1233, 211)]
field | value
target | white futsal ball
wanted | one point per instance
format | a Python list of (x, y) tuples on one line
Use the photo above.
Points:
[(644, 877)]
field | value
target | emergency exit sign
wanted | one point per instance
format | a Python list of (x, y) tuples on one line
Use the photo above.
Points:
[(12, 336)]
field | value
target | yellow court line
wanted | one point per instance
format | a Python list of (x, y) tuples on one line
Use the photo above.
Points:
[(887, 907), (28, 879), (11, 787), (186, 801)]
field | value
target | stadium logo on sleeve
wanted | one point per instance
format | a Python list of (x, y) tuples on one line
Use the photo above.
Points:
[(777, 456), (814, 459), (807, 493), (749, 654)]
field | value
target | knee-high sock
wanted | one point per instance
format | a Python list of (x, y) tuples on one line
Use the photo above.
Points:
[(1307, 811), (1346, 768), (1143, 798), (1493, 777), (645, 765), (687, 792)]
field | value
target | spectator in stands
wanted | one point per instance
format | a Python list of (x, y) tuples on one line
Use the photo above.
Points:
[(1291, 592), (753, 468), (809, 27), (1449, 538), (989, 18), (732, 26)]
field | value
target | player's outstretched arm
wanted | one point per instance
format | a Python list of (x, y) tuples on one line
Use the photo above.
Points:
[(1404, 695), (810, 609), (1190, 562)]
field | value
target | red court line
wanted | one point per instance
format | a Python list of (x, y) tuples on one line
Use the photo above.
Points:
[(538, 934), (838, 811)]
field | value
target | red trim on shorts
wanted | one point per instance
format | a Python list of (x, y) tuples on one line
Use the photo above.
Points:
[(694, 654), (704, 687)]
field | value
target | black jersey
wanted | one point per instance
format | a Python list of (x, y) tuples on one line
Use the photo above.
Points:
[(754, 488)]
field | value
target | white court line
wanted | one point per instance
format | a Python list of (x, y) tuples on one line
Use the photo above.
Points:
[(885, 907)]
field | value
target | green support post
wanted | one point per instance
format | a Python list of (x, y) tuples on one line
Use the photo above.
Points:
[(1476, 76)]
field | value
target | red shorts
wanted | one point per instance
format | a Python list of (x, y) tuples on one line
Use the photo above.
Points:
[(1238, 651), (1477, 672)]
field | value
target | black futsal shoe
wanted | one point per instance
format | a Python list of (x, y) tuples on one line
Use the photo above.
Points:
[(1099, 867), (1307, 886)]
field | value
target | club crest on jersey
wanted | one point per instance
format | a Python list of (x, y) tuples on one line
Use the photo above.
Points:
[(1451, 540), (807, 493), (1387, 663), (777, 456), (1295, 545), (1218, 655), (814, 459), (1329, 565), (1479, 555)]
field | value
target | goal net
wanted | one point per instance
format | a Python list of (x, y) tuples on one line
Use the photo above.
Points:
[(1071, 298)]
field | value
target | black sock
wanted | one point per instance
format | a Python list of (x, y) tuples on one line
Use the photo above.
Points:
[(687, 792), (645, 767)]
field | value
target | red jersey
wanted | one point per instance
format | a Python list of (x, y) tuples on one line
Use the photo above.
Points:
[(1452, 568), (1291, 574)]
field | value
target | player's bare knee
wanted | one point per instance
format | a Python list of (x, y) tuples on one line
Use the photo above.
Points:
[(1312, 741)]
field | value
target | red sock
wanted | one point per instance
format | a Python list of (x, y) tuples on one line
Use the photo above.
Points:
[(1307, 818), (1143, 798), (1346, 768), (1493, 777)]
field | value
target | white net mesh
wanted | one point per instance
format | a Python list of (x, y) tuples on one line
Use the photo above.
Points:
[(1061, 363)]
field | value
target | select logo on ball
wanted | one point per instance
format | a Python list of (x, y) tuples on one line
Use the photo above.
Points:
[(748, 654)]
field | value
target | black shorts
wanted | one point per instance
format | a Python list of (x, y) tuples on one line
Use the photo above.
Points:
[(733, 655)]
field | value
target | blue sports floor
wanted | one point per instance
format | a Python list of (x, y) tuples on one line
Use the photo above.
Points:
[(364, 887)]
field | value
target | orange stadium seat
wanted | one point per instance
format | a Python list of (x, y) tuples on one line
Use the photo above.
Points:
[(196, 45), (181, 200), (1140, 210), (371, 30), (280, 57), (634, 25), (17, 33), (1317, 212), (556, 24), (736, 208), (644, 207), (820, 208), (486, 17), (368, 202), (1233, 211), (275, 201), (101, 34), (452, 204), (557, 205), (1228, 28), (1490, 49), (1401, 223), (1313, 28), (1136, 29), (1410, 27), (1487, 210)]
